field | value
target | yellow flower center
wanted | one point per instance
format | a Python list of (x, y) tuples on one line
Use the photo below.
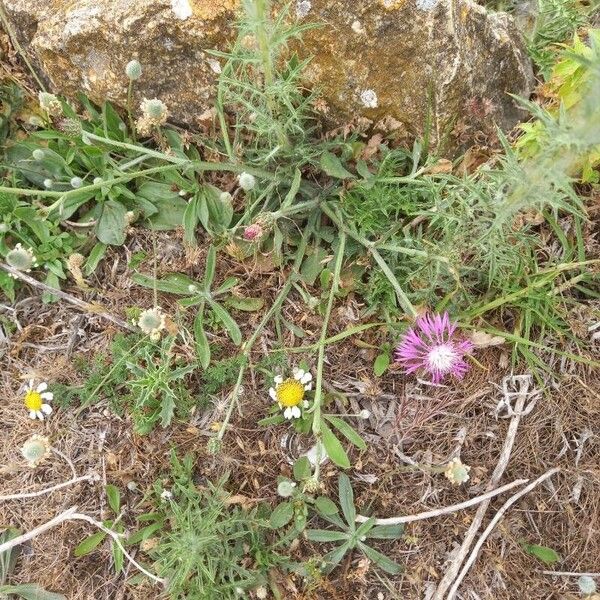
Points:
[(290, 392), (33, 400)]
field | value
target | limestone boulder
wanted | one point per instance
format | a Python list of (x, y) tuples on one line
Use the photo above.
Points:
[(404, 62)]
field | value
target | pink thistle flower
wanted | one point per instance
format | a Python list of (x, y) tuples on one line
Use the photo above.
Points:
[(253, 232), (432, 345)]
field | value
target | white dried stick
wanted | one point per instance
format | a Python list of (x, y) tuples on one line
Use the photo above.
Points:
[(446, 509), (488, 530)]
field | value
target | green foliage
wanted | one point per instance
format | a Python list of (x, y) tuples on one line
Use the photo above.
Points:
[(90, 543), (156, 387), (210, 548), (200, 294), (543, 553), (572, 121), (556, 22), (352, 535)]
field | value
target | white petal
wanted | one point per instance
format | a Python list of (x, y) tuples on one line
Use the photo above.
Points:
[(40, 415), (306, 378), (42, 387), (306, 404), (30, 385), (47, 395), (272, 394), (278, 379), (46, 409), (32, 414), (308, 386), (298, 374), (296, 413), (288, 413)]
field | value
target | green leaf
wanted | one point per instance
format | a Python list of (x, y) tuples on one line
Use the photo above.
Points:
[(144, 533), (30, 591), (325, 506), (312, 265), (281, 515), (274, 420), (174, 283), (190, 222), (347, 431), (382, 362), (334, 448), (167, 409), (246, 304), (302, 469), (323, 535), (545, 554), (386, 532), (232, 327), (381, 560), (289, 198), (347, 500), (202, 345), (334, 557), (91, 542), (332, 165), (95, 256), (209, 269), (114, 498), (118, 557), (111, 226)]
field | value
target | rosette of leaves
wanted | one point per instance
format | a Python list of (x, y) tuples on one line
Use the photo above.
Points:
[(352, 536), (208, 302)]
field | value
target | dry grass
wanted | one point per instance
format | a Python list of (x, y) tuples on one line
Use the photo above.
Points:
[(427, 425)]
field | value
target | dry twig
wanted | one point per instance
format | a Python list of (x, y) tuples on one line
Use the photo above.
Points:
[(454, 568), (446, 509), (94, 309), (488, 530), (48, 490)]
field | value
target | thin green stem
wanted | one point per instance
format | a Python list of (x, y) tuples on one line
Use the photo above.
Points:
[(403, 300), (247, 347), (321, 344)]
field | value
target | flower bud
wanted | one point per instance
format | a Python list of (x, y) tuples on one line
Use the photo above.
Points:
[(133, 70), (456, 472), (98, 180), (48, 183), (70, 127), (247, 181), (76, 182), (38, 154), (50, 103), (253, 232), (365, 414), (286, 488)]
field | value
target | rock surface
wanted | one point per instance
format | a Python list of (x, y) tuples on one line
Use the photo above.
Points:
[(397, 60)]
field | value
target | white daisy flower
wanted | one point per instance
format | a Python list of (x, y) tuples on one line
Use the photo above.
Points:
[(34, 400), (290, 393)]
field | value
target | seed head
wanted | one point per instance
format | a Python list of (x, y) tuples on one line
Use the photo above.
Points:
[(70, 127), (38, 154), (286, 488), (50, 103), (76, 182), (21, 258), (365, 414), (133, 70), (152, 322), (456, 472), (247, 181), (369, 98), (35, 450), (155, 110), (48, 183), (586, 585)]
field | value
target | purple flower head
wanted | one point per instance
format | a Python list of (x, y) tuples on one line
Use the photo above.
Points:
[(253, 232), (431, 345)]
